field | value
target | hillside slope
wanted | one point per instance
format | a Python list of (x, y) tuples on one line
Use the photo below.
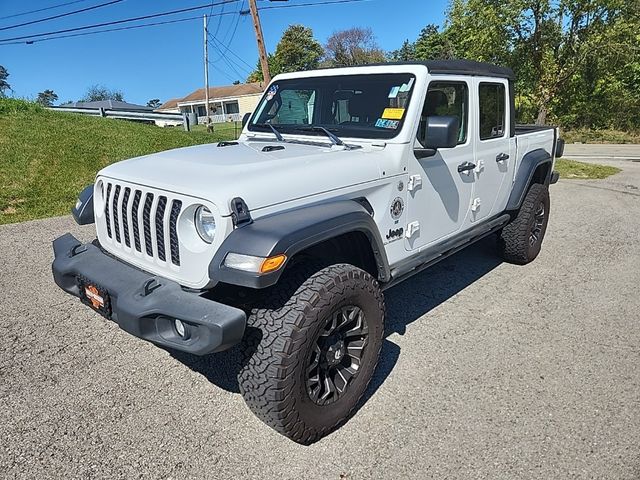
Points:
[(47, 157)]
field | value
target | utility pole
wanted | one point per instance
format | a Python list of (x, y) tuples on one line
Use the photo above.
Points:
[(262, 51), (206, 71)]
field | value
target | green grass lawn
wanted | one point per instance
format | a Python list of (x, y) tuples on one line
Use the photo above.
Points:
[(572, 169), (585, 135), (47, 157)]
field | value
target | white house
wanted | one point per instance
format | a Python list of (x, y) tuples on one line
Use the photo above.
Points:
[(228, 103)]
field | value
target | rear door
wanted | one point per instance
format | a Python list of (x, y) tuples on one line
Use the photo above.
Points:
[(438, 194), (493, 157)]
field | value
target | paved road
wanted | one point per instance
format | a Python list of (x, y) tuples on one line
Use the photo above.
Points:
[(489, 371), (599, 152)]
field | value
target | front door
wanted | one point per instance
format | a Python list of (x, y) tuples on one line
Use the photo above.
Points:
[(439, 195), (492, 159)]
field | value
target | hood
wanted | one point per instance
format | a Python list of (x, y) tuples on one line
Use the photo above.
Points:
[(261, 178)]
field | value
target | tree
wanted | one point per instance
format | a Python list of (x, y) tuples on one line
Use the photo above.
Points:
[(96, 93), (47, 98), (154, 103), (4, 85), (405, 53), (432, 44), (576, 61), (296, 51), (355, 46)]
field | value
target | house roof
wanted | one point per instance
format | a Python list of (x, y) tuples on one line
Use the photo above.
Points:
[(169, 104), (108, 104), (223, 92)]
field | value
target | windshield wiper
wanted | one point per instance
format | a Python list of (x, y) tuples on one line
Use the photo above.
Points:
[(333, 137), (273, 129)]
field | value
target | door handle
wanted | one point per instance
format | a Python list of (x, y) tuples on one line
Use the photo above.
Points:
[(466, 167), (502, 157)]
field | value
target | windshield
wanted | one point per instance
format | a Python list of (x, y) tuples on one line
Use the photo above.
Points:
[(357, 106)]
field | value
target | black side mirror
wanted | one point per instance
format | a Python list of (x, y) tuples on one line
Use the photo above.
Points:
[(245, 118), (439, 132)]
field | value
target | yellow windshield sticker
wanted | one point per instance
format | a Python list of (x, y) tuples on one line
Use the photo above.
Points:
[(393, 113)]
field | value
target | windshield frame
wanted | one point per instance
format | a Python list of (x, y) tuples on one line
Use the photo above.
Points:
[(364, 133)]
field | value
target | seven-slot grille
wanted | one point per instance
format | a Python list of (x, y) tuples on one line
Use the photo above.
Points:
[(143, 221)]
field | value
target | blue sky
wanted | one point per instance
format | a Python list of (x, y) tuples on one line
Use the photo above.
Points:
[(166, 61)]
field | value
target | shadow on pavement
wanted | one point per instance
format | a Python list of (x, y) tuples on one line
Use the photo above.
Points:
[(406, 303)]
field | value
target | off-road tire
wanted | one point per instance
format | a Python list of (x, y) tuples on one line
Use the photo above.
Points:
[(515, 242), (282, 331)]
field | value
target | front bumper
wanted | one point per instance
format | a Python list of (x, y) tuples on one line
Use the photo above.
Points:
[(146, 305)]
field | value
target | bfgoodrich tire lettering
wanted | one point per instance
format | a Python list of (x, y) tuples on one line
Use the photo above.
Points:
[(281, 345), (521, 240)]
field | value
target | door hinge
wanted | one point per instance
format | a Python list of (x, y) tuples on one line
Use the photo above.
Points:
[(480, 166), (412, 229), (414, 182), (475, 206)]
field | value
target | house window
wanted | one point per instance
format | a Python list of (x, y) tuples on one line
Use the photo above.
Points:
[(201, 111), (231, 108)]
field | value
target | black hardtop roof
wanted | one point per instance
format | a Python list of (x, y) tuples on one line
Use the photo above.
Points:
[(461, 67)]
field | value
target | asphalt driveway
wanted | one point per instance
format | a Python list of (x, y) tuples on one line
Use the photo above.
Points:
[(489, 370)]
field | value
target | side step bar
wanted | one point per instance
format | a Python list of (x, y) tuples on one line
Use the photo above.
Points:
[(433, 255)]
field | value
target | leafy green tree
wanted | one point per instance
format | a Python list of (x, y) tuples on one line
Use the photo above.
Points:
[(4, 85), (355, 46), (297, 50), (562, 51), (154, 103), (96, 93), (47, 98), (405, 53), (432, 44)]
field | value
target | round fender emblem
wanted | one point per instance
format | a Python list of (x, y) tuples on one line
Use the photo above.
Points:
[(397, 207)]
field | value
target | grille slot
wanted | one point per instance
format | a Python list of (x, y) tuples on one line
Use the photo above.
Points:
[(134, 219), (107, 216), (125, 217), (116, 214), (145, 221), (173, 233), (162, 205)]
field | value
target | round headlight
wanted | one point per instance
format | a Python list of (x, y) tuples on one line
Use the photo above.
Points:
[(205, 224)]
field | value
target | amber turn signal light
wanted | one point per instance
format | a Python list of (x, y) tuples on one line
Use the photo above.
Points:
[(272, 263)]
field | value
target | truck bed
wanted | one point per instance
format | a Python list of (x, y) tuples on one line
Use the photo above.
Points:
[(524, 129)]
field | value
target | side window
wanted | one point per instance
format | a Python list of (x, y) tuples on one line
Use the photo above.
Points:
[(492, 110), (447, 99)]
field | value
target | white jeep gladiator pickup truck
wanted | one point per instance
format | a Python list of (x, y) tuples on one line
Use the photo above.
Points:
[(343, 183)]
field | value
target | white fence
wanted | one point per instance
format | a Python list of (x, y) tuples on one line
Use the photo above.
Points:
[(229, 117)]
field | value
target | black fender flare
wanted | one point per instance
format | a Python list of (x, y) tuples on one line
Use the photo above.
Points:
[(291, 232), (530, 162), (83, 209)]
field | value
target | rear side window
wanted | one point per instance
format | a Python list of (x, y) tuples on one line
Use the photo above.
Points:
[(492, 110)]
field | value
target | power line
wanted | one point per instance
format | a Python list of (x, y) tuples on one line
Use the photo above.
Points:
[(327, 2), (153, 24), (116, 22), (228, 50), (61, 15), (41, 9), (130, 27), (233, 35)]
